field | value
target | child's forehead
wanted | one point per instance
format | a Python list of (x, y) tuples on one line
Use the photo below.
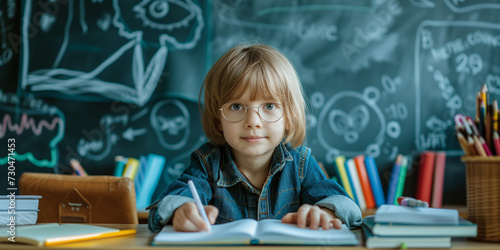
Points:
[(249, 94)]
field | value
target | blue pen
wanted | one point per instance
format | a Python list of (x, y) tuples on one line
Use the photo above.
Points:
[(197, 200)]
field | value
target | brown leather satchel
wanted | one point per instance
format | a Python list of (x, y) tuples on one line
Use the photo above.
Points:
[(81, 199)]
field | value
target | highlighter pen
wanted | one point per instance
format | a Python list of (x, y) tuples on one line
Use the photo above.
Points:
[(197, 200), (411, 202)]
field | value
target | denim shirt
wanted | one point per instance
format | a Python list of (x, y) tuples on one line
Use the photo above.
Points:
[(294, 178)]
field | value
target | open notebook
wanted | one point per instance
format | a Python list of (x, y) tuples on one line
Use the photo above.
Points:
[(55, 234), (252, 232)]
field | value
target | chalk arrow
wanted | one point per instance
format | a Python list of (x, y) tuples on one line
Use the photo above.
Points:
[(130, 133)]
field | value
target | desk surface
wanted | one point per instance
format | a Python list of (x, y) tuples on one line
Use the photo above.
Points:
[(143, 238)]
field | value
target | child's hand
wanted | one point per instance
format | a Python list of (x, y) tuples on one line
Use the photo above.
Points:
[(313, 216), (187, 218)]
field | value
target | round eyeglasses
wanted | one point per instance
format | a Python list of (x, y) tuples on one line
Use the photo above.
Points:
[(269, 112)]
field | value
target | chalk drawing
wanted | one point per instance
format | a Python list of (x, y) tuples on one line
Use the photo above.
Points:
[(147, 23), (44, 124), (345, 120), (170, 120), (462, 6)]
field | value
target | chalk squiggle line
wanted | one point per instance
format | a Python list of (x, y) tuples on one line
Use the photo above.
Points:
[(26, 124), (50, 161)]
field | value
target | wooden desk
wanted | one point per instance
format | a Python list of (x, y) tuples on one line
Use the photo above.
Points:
[(143, 238)]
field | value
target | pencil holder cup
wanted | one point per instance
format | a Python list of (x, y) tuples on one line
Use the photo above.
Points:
[(483, 196)]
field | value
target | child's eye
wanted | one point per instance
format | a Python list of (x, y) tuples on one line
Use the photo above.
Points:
[(269, 106), (236, 106)]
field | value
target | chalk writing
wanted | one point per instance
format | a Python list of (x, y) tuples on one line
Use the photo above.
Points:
[(464, 50)]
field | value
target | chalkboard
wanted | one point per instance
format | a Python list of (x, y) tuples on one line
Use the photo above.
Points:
[(95, 79)]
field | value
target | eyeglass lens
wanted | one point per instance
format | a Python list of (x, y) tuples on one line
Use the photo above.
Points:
[(235, 112)]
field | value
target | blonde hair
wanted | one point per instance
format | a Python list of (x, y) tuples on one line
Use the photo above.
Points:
[(267, 74)]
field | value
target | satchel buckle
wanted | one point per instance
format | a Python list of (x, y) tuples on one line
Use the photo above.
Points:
[(74, 208)]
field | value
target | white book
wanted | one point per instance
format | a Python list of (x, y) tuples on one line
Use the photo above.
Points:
[(464, 228), (19, 202), (416, 215), (351, 166), (252, 232), (22, 217)]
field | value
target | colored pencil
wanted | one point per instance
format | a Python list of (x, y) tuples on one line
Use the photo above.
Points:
[(472, 145), (479, 146), (463, 144), (485, 146), (495, 115), (496, 141)]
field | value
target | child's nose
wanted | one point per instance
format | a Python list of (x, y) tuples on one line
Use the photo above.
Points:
[(253, 118)]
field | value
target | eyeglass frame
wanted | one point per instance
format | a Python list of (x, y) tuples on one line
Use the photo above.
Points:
[(246, 111)]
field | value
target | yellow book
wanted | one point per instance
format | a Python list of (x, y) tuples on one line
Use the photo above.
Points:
[(340, 165), (55, 234), (131, 168)]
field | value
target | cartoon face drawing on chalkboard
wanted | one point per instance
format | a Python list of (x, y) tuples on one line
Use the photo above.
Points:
[(353, 124), (170, 120), (349, 124)]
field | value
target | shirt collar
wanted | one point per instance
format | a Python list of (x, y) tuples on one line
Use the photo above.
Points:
[(229, 174), (280, 156)]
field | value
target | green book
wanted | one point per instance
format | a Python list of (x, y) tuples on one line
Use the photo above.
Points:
[(401, 179)]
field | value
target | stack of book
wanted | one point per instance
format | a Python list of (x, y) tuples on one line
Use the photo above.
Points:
[(409, 227), (18, 209)]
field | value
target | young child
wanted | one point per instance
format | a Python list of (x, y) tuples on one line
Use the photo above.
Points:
[(254, 166)]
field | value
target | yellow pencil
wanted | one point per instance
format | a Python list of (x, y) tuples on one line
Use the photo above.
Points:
[(495, 115), (484, 94)]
